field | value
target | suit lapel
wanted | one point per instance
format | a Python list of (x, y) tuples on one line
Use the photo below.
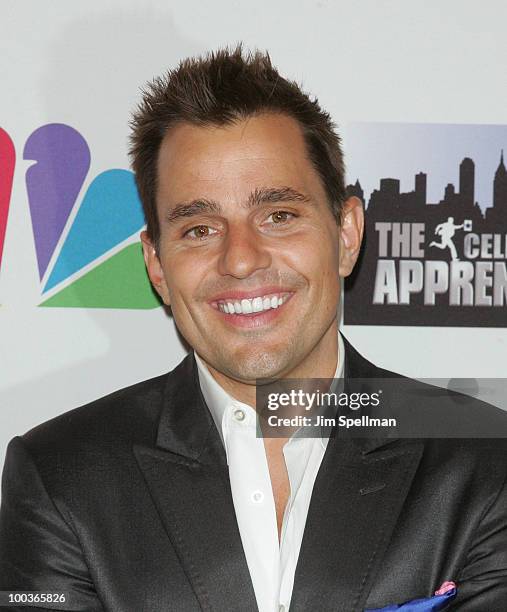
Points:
[(188, 479), (356, 501)]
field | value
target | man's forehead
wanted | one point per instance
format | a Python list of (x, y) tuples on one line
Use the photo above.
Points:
[(256, 137), (265, 150)]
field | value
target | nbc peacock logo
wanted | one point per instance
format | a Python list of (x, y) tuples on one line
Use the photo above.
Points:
[(86, 239)]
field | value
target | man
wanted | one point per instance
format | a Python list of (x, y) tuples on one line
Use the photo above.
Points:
[(161, 496)]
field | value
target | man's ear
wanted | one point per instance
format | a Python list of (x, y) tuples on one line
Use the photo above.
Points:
[(154, 268), (351, 234)]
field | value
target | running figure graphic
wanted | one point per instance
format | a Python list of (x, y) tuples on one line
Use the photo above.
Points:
[(446, 232)]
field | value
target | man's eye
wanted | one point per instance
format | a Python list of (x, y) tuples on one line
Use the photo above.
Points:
[(281, 216), (198, 232)]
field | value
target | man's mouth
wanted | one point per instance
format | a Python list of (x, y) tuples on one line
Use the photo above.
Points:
[(252, 310), (249, 306)]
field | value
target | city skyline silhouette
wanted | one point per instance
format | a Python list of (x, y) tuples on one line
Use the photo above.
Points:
[(389, 199)]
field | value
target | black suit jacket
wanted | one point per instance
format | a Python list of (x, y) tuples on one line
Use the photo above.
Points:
[(126, 505)]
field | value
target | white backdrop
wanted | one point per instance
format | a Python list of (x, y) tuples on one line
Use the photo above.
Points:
[(82, 63)]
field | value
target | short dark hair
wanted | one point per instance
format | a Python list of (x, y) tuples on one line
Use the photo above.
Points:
[(221, 88)]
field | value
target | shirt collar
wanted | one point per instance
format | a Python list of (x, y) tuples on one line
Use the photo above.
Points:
[(217, 399)]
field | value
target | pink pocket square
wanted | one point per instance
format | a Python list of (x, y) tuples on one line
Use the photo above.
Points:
[(438, 602)]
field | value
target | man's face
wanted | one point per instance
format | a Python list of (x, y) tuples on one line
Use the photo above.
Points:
[(243, 215)]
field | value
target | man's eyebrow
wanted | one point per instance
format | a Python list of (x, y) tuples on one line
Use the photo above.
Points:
[(276, 194), (190, 209), (258, 196)]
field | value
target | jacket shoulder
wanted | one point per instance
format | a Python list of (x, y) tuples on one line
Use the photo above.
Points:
[(113, 416)]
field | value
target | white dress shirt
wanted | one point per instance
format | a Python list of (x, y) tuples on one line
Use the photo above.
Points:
[(271, 564)]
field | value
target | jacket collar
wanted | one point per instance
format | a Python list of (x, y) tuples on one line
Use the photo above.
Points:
[(186, 427), (364, 373)]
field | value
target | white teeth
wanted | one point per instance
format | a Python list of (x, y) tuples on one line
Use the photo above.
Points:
[(254, 305), (246, 306), (257, 304)]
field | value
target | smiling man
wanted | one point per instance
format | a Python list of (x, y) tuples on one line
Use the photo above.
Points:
[(161, 496)]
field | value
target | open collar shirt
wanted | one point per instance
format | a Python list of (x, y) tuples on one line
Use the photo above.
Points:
[(271, 563)]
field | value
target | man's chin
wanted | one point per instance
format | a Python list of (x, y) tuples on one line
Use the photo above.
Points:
[(255, 366)]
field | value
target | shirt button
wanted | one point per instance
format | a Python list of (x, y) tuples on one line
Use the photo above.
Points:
[(239, 414), (257, 497)]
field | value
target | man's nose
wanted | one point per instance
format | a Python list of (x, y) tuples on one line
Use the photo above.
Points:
[(243, 251)]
